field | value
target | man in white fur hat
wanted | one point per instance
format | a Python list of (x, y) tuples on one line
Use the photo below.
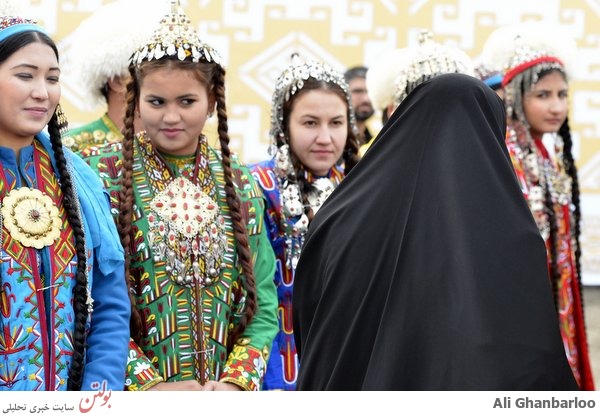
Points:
[(97, 62)]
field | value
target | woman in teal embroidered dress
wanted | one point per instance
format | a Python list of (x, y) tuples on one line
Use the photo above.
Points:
[(315, 144), (63, 296), (199, 263)]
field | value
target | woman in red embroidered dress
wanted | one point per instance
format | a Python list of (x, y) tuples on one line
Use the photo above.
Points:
[(539, 141)]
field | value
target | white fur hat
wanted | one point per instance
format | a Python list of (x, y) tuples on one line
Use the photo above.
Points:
[(11, 8), (394, 75), (102, 44), (511, 49)]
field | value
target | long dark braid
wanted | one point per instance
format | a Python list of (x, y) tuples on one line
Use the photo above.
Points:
[(233, 201), (80, 288), (571, 170), (126, 201), (554, 272)]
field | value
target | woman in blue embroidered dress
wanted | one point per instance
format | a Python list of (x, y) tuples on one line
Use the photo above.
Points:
[(315, 144), (63, 299)]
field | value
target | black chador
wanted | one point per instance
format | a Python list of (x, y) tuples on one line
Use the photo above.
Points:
[(424, 270)]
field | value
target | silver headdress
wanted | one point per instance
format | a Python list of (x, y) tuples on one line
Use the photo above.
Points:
[(292, 80), (176, 37), (513, 49), (394, 76), (294, 220), (429, 60), (522, 52)]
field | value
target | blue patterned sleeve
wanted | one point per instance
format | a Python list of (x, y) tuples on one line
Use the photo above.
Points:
[(108, 338)]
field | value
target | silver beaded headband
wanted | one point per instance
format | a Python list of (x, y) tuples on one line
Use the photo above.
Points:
[(525, 57), (522, 52), (176, 37), (516, 49), (292, 80)]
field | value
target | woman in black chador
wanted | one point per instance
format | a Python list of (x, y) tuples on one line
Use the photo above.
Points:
[(424, 270)]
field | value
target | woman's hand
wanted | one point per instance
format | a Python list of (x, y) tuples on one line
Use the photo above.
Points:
[(220, 386), (188, 385)]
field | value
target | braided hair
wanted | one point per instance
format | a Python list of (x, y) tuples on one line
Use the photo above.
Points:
[(233, 201), (571, 169), (126, 201), (213, 76), (80, 289), (8, 47), (350, 153)]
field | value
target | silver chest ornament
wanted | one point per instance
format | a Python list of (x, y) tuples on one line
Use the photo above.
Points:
[(323, 187), (188, 232)]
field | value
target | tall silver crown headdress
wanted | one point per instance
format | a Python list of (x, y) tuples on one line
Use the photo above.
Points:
[(176, 37), (292, 80)]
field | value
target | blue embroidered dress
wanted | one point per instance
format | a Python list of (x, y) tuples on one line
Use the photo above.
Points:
[(36, 322), (282, 368)]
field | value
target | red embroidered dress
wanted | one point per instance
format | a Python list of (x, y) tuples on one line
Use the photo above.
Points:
[(539, 172)]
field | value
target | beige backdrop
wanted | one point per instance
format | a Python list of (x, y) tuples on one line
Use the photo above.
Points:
[(256, 38)]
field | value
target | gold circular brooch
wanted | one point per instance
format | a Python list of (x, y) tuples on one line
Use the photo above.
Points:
[(31, 217)]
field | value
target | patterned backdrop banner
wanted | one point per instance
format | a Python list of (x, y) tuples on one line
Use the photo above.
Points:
[(257, 37)]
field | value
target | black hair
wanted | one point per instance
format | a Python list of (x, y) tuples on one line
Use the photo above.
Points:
[(355, 72), (17, 41)]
